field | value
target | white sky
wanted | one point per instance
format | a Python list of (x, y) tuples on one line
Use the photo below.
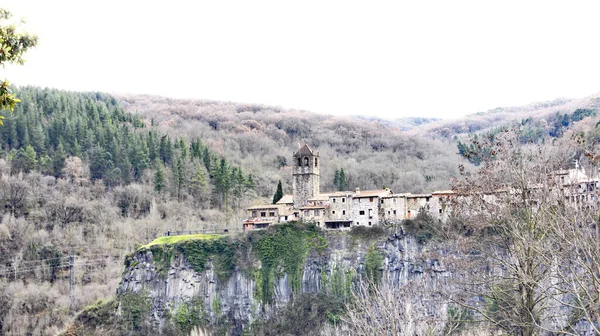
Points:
[(386, 58)]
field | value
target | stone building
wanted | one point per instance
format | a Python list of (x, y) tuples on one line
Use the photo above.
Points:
[(340, 209), (345, 209)]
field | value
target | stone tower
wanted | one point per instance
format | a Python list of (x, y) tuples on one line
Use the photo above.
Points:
[(306, 176)]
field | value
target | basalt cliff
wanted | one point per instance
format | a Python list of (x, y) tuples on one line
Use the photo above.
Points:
[(256, 283)]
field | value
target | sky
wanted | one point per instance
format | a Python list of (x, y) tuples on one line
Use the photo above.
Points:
[(390, 59)]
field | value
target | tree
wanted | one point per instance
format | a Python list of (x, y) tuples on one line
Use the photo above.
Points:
[(278, 194), (506, 208), (159, 178), (13, 44), (180, 176), (343, 182), (199, 187)]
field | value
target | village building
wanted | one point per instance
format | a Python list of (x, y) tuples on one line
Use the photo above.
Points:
[(342, 210), (333, 210)]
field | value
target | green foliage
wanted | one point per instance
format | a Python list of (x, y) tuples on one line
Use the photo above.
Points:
[(162, 256), (284, 246), (457, 319), (373, 265), (51, 125), (278, 194), (199, 252), (190, 315), (159, 178), (13, 44), (340, 180), (216, 305), (135, 308), (422, 227)]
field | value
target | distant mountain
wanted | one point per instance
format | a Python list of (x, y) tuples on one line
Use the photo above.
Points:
[(545, 115)]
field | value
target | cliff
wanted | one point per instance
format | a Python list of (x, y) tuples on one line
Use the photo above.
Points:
[(233, 285)]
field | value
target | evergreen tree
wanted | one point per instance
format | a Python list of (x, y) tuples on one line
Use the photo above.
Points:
[(199, 184), (278, 194), (336, 179), (159, 178), (58, 160), (180, 177), (343, 184)]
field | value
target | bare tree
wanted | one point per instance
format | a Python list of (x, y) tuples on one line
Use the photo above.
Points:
[(508, 207)]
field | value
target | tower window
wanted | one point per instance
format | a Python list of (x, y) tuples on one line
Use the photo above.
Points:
[(343, 199), (299, 162), (343, 212), (306, 161), (315, 162), (362, 212)]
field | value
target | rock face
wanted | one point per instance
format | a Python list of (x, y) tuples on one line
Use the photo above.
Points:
[(344, 259)]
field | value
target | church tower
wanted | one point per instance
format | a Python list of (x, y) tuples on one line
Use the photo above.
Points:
[(305, 176)]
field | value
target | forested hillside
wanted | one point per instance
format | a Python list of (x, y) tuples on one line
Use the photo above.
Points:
[(80, 176), (540, 119), (373, 153)]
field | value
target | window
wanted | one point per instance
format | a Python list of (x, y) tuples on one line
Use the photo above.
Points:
[(357, 223), (369, 223), (388, 212), (263, 214), (286, 217), (254, 213), (343, 199), (271, 213), (315, 162), (305, 213), (317, 213), (371, 199), (362, 212), (394, 200), (370, 213), (333, 212), (440, 210), (408, 214), (382, 201), (394, 212), (333, 200), (306, 161), (343, 212)]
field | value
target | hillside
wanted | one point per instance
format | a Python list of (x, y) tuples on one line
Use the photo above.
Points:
[(97, 176), (548, 116), (373, 152)]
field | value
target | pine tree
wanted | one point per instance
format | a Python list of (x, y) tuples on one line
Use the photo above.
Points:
[(180, 177), (278, 194), (159, 178), (336, 179), (199, 184), (58, 160), (343, 184)]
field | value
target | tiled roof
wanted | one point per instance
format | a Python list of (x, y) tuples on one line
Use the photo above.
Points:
[(286, 199), (313, 207), (264, 206), (445, 192), (372, 193), (304, 150)]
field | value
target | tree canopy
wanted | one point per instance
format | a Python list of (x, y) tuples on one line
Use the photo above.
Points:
[(13, 44)]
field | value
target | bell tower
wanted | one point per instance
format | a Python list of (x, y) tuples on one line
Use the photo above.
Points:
[(305, 176)]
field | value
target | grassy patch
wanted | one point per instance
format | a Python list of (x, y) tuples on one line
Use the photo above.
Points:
[(170, 240)]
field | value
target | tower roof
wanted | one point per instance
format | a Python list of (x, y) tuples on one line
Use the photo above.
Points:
[(304, 150)]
